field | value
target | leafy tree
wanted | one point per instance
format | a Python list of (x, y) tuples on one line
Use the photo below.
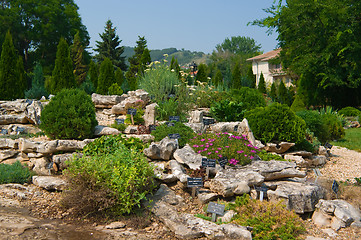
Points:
[(37, 25), (217, 79), (106, 76), (251, 77), (37, 89), (138, 63), (110, 47), (239, 45), (63, 76), (236, 76), (202, 73), (93, 73), (262, 84), (327, 58), (273, 92), (76, 54), (11, 78)]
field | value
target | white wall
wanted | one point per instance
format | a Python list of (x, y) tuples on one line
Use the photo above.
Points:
[(262, 67)]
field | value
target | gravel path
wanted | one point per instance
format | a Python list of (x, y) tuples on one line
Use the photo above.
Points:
[(344, 164)]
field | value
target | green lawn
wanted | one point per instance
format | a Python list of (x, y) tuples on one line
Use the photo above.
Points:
[(352, 139)]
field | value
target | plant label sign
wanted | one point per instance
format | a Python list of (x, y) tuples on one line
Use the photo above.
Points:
[(174, 136), (4, 131), (208, 121), (262, 192), (132, 111), (194, 182), (20, 130), (335, 186), (215, 209), (170, 124), (328, 145), (235, 128), (152, 128), (208, 162), (119, 121), (174, 118), (204, 162), (223, 161)]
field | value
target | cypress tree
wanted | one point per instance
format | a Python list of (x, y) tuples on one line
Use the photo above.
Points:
[(262, 84), (93, 73), (21, 82), (37, 89), (9, 73), (236, 76), (217, 79), (63, 76), (76, 53), (273, 93), (119, 77), (202, 73), (283, 95), (251, 77), (106, 76)]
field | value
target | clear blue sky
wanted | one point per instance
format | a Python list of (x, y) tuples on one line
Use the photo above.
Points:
[(197, 25)]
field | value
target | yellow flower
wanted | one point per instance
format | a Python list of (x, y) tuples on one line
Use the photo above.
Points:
[(156, 62), (165, 55)]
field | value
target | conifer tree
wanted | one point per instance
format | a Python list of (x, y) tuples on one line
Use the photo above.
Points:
[(63, 76), (251, 77), (9, 73), (175, 66), (262, 84), (110, 47), (283, 96), (217, 79), (106, 76), (202, 73), (236, 76), (273, 93), (21, 82), (37, 89), (76, 54), (119, 77), (93, 73)]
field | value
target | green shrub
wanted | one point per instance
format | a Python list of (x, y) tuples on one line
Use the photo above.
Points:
[(266, 156), (184, 131), (120, 126), (117, 181), (227, 111), (350, 112), (204, 94), (37, 89), (334, 126), (169, 108), (276, 123), (115, 89), (69, 115), (237, 149), (298, 104), (137, 118), (316, 124), (269, 220), (250, 97), (14, 173)]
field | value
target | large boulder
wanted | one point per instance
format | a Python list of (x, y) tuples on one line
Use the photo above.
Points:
[(196, 127), (33, 112), (106, 101), (196, 116), (278, 148), (299, 196), (50, 147), (16, 106), (178, 171), (163, 150), (225, 127), (149, 114), (5, 154), (134, 99), (50, 183), (104, 130), (189, 157), (11, 119), (244, 129), (8, 143)]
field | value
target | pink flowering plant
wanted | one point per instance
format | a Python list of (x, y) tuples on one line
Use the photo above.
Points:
[(237, 149)]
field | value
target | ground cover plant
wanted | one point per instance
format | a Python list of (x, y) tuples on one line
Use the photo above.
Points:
[(164, 130), (269, 220), (14, 173), (350, 112), (237, 149)]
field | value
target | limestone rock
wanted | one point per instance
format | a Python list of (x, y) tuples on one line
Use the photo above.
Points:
[(145, 138), (8, 143), (318, 160), (225, 127), (131, 129), (106, 101), (10, 119), (297, 159), (228, 215), (33, 112), (280, 148), (301, 197), (189, 157), (272, 170), (141, 94), (5, 154), (162, 150), (196, 116), (149, 114), (104, 130), (115, 225), (53, 146), (50, 183), (196, 127), (16, 106), (321, 219), (41, 165), (204, 198), (178, 171), (244, 129), (60, 159), (301, 153)]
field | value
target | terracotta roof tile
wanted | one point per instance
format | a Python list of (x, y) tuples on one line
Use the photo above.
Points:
[(266, 56)]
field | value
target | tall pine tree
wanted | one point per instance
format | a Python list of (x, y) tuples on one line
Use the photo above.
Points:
[(37, 89), (63, 76), (106, 77), (10, 77), (251, 77), (110, 47), (273, 92), (76, 54), (262, 84)]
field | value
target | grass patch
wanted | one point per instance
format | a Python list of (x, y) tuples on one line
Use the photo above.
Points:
[(352, 139), (14, 173)]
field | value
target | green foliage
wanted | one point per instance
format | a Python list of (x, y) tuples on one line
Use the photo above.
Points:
[(204, 95), (63, 76), (93, 74), (298, 104), (184, 131), (14, 173), (351, 140), (276, 123), (87, 86), (350, 112), (106, 77), (137, 118), (251, 98), (309, 144), (262, 84), (273, 92), (266, 156), (218, 78), (37, 89), (125, 175), (237, 149), (202, 73), (121, 127), (269, 220), (251, 77), (69, 115), (110, 47), (239, 45), (316, 124), (334, 123), (119, 77), (114, 89), (169, 108), (283, 94), (236, 76), (227, 111), (76, 54)]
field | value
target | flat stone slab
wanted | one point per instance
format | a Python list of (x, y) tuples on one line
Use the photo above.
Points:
[(50, 183)]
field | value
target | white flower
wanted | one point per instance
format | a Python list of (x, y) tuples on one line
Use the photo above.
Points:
[(156, 62), (172, 70), (208, 78)]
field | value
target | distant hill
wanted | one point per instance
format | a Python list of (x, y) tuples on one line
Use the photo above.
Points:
[(185, 57)]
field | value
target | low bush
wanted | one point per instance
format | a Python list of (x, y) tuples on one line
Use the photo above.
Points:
[(269, 220), (14, 173), (227, 111), (237, 149), (137, 118), (120, 126), (169, 108), (69, 115), (112, 183), (276, 123), (266, 156), (350, 112), (250, 97), (316, 124), (334, 123), (184, 131)]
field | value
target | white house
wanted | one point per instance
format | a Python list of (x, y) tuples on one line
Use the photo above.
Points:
[(271, 72)]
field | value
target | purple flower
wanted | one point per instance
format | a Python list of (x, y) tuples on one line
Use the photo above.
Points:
[(251, 157), (199, 151), (202, 140), (195, 146), (219, 148), (216, 152), (209, 153), (239, 152), (220, 155), (253, 151), (227, 146)]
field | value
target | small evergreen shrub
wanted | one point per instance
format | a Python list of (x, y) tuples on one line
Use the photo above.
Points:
[(87, 86), (266, 156), (115, 89), (120, 126), (237, 149), (276, 123), (269, 220), (350, 112), (227, 111), (169, 108), (37, 89), (113, 183), (69, 115), (298, 104), (250, 97), (316, 124), (184, 131), (14, 173), (137, 118), (334, 126)]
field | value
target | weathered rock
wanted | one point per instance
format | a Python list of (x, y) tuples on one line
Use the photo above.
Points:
[(280, 148), (149, 114), (323, 151), (10, 119), (141, 94), (331, 233), (297, 159), (244, 129), (106, 101), (321, 219), (272, 170), (189, 157), (318, 160), (225, 127), (5, 154), (60, 159), (115, 225), (104, 130), (314, 238), (53, 146), (8, 143), (145, 138), (301, 153), (301, 197), (41, 165), (178, 171), (16, 106), (242, 188), (135, 99), (131, 129), (50, 183), (33, 112), (159, 172), (196, 117), (228, 215), (196, 127), (204, 198), (162, 150)]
